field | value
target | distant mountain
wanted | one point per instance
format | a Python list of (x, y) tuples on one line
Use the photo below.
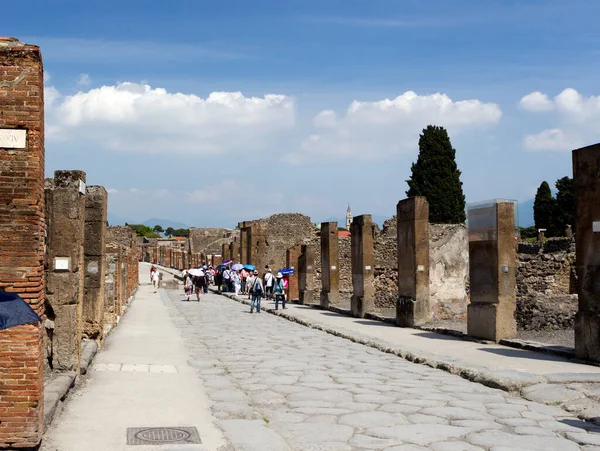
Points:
[(164, 223)]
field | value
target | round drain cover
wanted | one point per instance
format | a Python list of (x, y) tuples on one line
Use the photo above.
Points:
[(162, 435)]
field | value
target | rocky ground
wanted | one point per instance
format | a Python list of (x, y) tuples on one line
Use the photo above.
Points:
[(277, 385)]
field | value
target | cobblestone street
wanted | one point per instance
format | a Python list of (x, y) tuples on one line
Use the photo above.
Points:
[(277, 385)]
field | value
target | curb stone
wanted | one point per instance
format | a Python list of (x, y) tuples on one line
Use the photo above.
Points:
[(510, 381), (54, 393)]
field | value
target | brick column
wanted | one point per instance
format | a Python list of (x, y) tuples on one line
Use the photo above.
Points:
[(225, 251), (492, 269), (586, 167), (22, 222), (363, 261), (217, 260), (96, 201), (291, 261), (330, 262), (65, 213), (412, 219), (306, 263)]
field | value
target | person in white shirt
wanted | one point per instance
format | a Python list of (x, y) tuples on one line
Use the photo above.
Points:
[(269, 279), (156, 280)]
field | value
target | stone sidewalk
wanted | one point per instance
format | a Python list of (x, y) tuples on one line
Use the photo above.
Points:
[(536, 376)]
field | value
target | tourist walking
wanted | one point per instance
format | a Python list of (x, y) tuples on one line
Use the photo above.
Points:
[(199, 281), (219, 280), (152, 271), (269, 280), (156, 280), (237, 282), (257, 291), (278, 290), (249, 283), (206, 279), (227, 279), (243, 277), (188, 285)]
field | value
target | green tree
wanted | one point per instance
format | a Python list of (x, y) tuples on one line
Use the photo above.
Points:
[(169, 231), (544, 210), (565, 205), (143, 230), (435, 175), (181, 232), (158, 229)]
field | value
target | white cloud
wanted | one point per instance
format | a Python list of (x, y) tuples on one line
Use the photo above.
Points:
[(537, 101), (112, 191), (575, 124), (136, 117), (84, 80), (134, 190), (227, 189), (554, 140), (374, 129)]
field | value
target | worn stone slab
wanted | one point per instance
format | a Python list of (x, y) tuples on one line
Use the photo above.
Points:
[(419, 434), (253, 435), (550, 394), (570, 378), (492, 439)]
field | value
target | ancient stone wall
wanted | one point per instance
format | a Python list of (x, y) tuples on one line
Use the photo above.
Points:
[(448, 270), (210, 240), (285, 231), (386, 266), (546, 285)]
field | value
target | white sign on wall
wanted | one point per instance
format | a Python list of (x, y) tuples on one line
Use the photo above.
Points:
[(13, 139), (62, 263), (81, 186)]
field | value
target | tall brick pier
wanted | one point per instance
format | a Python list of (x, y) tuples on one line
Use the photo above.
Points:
[(22, 224)]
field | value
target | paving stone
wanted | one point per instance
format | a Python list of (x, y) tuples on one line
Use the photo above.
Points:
[(367, 419), (492, 439), (368, 442), (301, 435), (477, 425), (454, 446), (357, 406), (515, 422), (532, 430), (400, 408), (253, 436), (455, 413), (407, 448), (419, 434), (583, 438), (324, 395), (550, 394), (426, 419), (377, 399)]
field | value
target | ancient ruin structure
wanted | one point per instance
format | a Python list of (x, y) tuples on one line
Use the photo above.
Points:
[(363, 263), (493, 265), (96, 204), (22, 225), (65, 214), (413, 262), (586, 167), (306, 280), (330, 289)]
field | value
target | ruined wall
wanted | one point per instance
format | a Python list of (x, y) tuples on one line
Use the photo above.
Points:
[(122, 252), (546, 285), (210, 240), (386, 266), (285, 231), (448, 270)]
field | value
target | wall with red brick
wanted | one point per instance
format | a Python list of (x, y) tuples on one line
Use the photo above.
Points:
[(22, 225)]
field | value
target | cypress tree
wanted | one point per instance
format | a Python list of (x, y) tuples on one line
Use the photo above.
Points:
[(544, 209), (565, 204), (435, 175)]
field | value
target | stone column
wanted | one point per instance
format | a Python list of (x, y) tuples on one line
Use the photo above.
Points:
[(225, 251), (363, 260), (22, 219), (306, 263), (257, 245), (291, 261), (234, 251), (586, 167), (243, 243), (412, 216), (96, 201), (65, 212), (330, 277), (492, 269)]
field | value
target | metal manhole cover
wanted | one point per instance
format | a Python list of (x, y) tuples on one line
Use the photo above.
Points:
[(163, 436)]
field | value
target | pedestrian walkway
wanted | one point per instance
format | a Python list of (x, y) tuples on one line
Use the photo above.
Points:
[(141, 378)]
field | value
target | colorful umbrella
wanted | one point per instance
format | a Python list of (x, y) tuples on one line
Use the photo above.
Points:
[(237, 266), (250, 267), (228, 262)]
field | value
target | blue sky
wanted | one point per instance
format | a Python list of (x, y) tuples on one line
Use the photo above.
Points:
[(143, 96)]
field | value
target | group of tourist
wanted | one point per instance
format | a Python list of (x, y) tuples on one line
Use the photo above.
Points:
[(241, 281)]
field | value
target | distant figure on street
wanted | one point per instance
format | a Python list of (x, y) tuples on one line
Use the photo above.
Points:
[(152, 271), (219, 280), (237, 282), (257, 292), (188, 285), (227, 279), (249, 282), (199, 281), (156, 280), (278, 290), (269, 280)]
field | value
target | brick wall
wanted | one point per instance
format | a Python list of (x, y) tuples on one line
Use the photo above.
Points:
[(22, 225)]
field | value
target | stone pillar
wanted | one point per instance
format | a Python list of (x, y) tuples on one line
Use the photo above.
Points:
[(22, 219), (586, 167), (291, 261), (492, 270), (330, 277), (96, 201), (363, 261), (225, 251), (306, 263), (412, 216), (217, 260), (243, 243), (234, 251), (65, 213)]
